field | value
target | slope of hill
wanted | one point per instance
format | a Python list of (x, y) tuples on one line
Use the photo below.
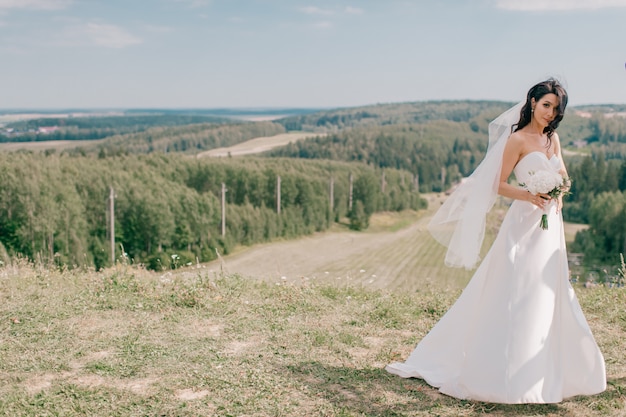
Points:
[(394, 114), (128, 342)]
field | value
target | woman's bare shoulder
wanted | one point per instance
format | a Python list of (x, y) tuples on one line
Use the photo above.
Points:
[(517, 135), (557, 142), (516, 139)]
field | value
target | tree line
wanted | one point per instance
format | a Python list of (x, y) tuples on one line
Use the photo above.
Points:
[(598, 198), (186, 139), (54, 207), (98, 127), (393, 114), (438, 153)]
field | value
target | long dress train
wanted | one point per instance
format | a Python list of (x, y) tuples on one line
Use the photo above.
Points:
[(517, 333)]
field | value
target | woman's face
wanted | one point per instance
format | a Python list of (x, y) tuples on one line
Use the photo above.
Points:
[(546, 109)]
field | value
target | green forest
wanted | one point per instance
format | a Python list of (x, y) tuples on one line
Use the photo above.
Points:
[(54, 206)]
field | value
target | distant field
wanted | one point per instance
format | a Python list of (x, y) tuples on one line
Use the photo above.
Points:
[(252, 146), (258, 145), (16, 117), (6, 118), (571, 229), (46, 145)]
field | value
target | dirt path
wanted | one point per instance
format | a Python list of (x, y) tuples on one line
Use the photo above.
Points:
[(408, 258)]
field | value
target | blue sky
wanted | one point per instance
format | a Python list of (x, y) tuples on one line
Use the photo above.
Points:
[(294, 53)]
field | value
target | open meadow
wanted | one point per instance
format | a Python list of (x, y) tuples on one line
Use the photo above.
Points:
[(211, 340), (259, 145), (396, 253), (46, 145)]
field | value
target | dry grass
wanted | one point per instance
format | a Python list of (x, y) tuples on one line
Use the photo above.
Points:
[(396, 253), (127, 342), (571, 229)]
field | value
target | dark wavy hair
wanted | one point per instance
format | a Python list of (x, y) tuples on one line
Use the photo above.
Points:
[(537, 91)]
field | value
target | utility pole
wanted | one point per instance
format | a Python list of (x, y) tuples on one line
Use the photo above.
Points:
[(332, 196), (224, 209), (278, 194), (350, 193), (443, 178), (383, 183), (112, 223)]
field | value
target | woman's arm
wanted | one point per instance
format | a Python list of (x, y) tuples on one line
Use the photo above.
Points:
[(512, 152), (562, 170), (557, 151)]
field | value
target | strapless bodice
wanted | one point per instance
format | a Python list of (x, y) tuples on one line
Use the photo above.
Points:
[(535, 161)]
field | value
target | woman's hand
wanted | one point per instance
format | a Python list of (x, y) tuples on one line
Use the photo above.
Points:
[(559, 204), (539, 199)]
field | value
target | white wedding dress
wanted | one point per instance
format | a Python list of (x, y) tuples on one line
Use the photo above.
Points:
[(517, 333)]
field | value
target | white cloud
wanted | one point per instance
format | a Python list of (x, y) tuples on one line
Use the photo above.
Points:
[(110, 36), (34, 4), (546, 5), (322, 25), (99, 34), (353, 10), (316, 10), (158, 29), (76, 33), (195, 3)]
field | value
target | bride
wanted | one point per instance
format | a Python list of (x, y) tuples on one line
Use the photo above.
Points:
[(517, 333)]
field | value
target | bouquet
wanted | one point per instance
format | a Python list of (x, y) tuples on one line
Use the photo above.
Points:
[(546, 182)]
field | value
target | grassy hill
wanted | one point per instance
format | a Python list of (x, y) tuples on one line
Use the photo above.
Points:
[(199, 342)]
